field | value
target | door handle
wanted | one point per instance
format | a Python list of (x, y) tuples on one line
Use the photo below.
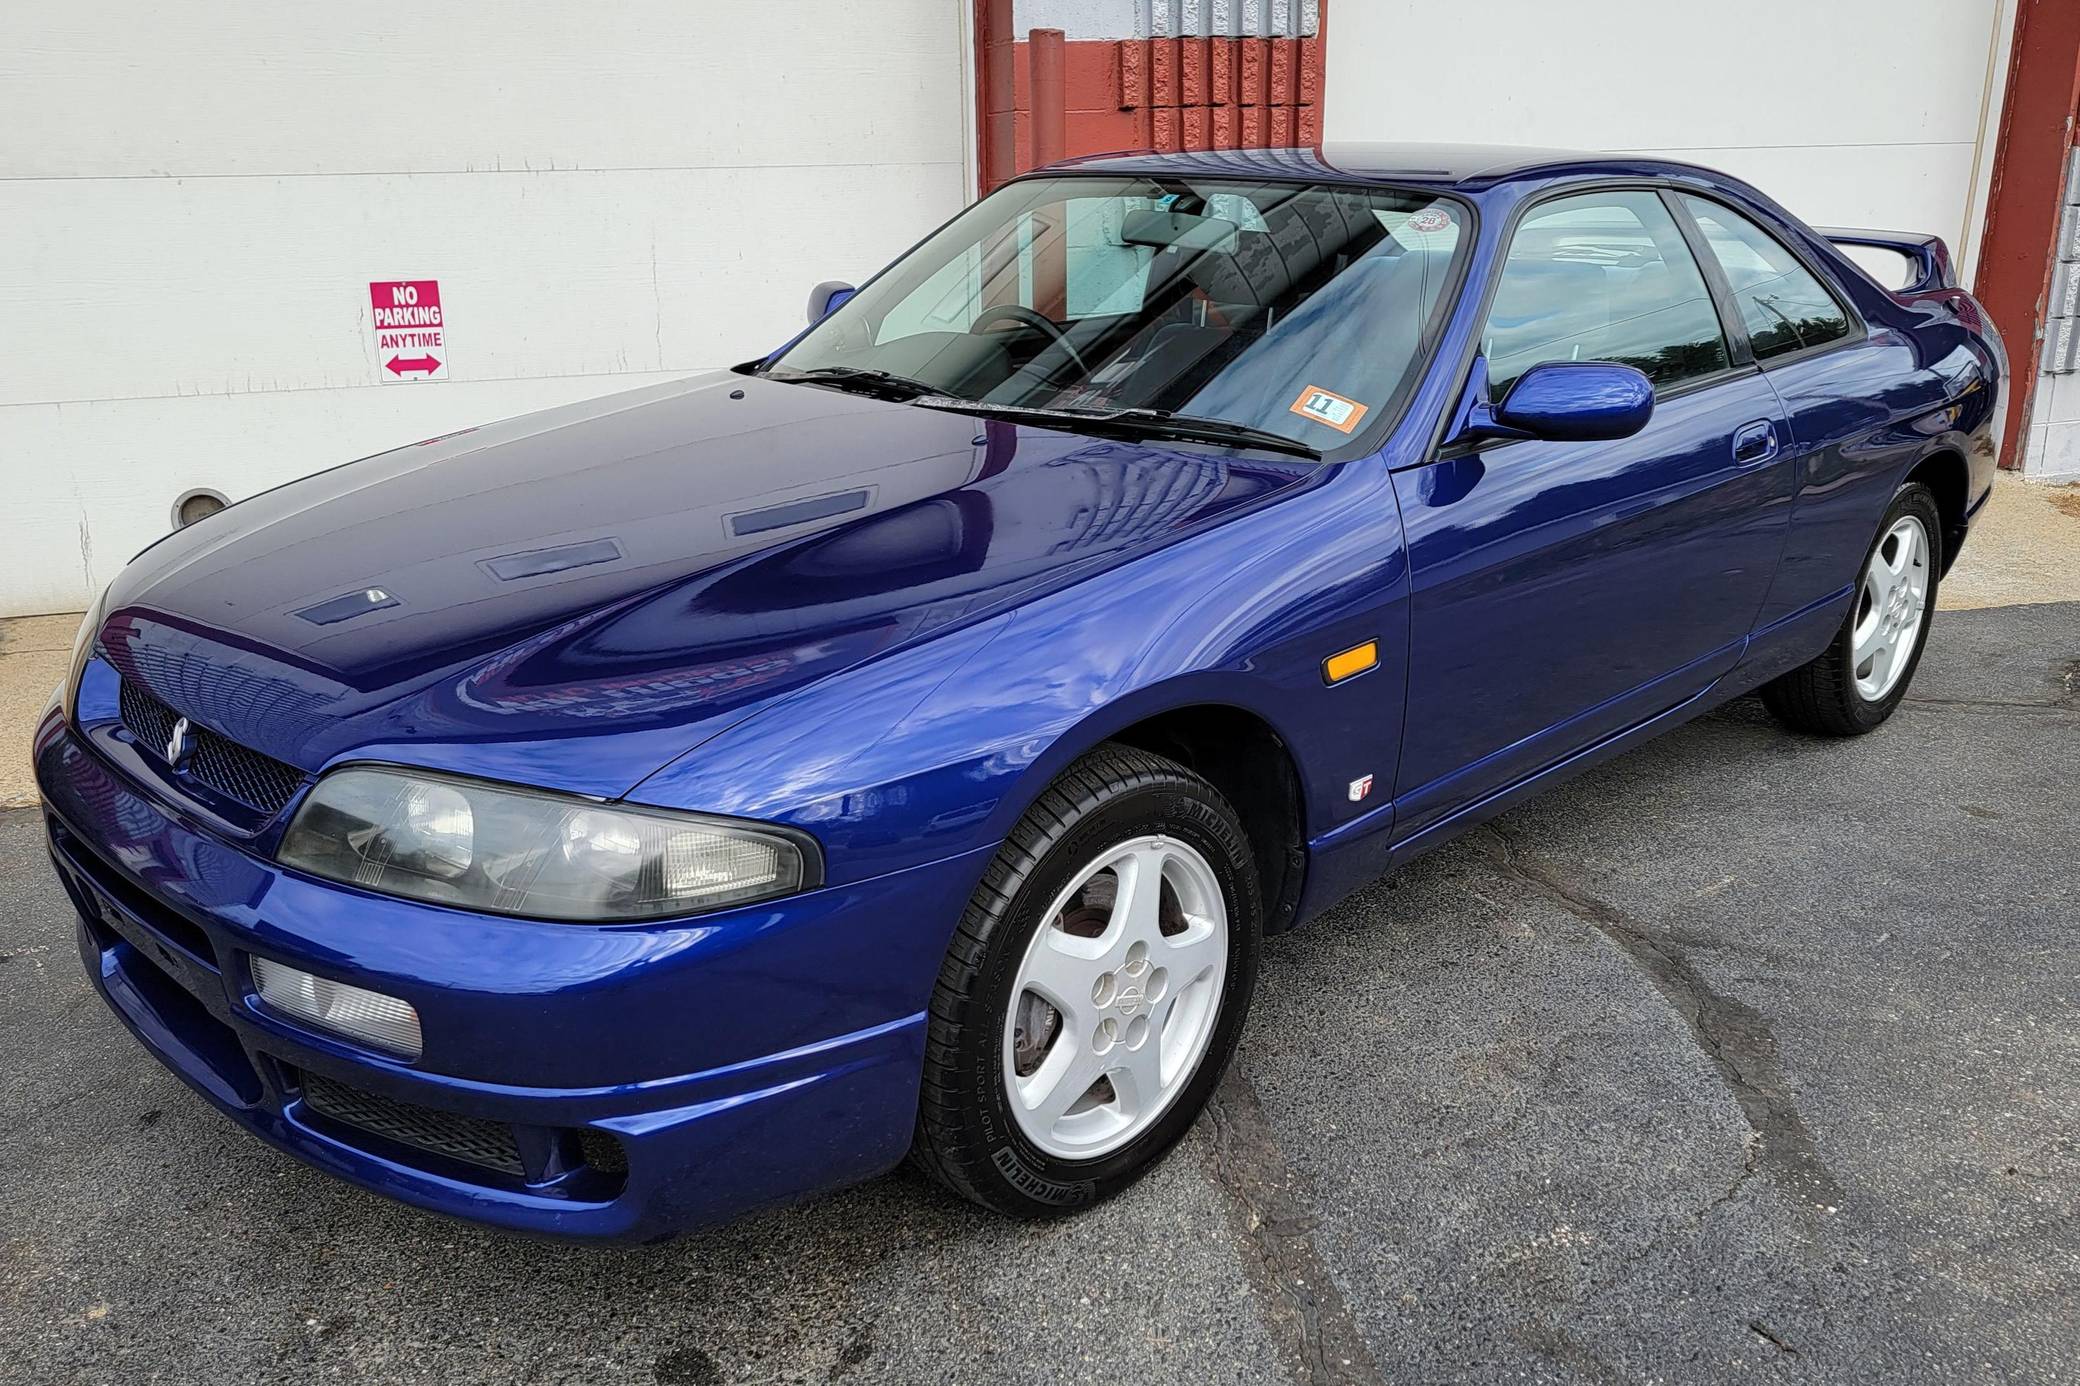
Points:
[(1755, 443)]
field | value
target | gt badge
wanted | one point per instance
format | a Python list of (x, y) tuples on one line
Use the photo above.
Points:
[(1360, 787)]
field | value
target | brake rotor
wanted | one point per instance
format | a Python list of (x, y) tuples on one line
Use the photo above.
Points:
[(1033, 1033)]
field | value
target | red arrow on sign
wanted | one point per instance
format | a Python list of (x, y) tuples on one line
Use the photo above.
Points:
[(400, 364)]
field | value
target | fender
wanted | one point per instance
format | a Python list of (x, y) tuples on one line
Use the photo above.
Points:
[(1233, 618)]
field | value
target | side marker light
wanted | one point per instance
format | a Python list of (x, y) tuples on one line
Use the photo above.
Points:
[(1350, 663)]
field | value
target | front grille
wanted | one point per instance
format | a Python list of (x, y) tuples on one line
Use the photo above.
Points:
[(148, 719), (257, 781), (472, 1140), (238, 772)]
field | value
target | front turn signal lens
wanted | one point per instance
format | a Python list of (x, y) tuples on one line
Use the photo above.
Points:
[(369, 1016)]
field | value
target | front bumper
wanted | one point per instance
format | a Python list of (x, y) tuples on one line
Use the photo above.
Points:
[(617, 1083)]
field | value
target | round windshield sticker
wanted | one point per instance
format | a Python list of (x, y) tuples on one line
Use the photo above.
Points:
[(1429, 219)]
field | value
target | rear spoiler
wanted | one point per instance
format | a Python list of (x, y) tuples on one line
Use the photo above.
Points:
[(1929, 256)]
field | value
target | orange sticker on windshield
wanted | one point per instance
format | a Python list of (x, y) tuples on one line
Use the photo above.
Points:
[(1328, 407)]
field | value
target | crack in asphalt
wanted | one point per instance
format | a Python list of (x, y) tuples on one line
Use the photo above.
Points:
[(1305, 1311), (2066, 700), (1763, 1330), (1751, 1165), (2060, 709), (1734, 1035)]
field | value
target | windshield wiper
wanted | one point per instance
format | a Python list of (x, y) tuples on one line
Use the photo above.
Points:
[(1137, 423), (860, 380)]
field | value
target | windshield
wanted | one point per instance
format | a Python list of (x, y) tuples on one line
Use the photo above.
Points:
[(1300, 310)]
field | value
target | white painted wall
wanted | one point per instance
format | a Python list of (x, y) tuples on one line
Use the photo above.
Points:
[(1850, 112), (193, 200)]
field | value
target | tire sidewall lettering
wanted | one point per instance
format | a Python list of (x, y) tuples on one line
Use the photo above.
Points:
[(1159, 810)]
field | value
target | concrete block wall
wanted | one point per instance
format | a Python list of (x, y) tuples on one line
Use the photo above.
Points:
[(2052, 443)]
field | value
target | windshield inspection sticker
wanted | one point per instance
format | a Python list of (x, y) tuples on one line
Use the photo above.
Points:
[(1327, 407)]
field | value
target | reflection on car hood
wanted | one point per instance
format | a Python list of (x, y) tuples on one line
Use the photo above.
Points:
[(583, 593)]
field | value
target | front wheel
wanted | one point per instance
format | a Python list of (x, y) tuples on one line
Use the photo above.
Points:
[(1859, 679), (1094, 990)]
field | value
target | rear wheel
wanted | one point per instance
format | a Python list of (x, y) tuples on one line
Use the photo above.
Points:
[(1855, 683), (1094, 990)]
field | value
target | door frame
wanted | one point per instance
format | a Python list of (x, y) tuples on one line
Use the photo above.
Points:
[(1738, 348)]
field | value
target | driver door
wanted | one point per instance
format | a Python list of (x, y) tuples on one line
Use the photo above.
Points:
[(1563, 591)]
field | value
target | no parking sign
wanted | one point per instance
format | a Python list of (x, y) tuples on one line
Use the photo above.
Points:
[(411, 337)]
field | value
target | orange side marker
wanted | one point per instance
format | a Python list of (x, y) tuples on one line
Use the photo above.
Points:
[(1351, 662)]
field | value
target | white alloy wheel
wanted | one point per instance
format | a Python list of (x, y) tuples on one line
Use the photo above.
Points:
[(1890, 608), (1116, 998)]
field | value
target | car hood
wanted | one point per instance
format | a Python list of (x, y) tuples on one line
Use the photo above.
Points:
[(574, 597)]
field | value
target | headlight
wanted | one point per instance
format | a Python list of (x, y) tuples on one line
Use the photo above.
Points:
[(488, 847), (82, 646)]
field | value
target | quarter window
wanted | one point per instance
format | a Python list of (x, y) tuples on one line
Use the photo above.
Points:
[(1784, 308), (1602, 276)]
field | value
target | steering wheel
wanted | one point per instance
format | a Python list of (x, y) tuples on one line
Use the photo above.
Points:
[(1026, 317)]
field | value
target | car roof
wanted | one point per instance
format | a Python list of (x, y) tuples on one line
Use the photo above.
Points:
[(1437, 165)]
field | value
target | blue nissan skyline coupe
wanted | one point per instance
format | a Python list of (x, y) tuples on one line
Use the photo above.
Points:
[(611, 820)]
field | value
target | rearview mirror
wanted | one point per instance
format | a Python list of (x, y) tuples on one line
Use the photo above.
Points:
[(1178, 231), (1577, 402), (826, 298)]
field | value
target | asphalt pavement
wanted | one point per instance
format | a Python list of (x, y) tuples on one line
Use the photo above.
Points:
[(1745, 1057)]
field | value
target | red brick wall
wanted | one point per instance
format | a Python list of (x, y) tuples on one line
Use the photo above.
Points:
[(2039, 122), (1143, 93)]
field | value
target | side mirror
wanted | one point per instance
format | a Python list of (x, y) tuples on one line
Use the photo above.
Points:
[(1576, 402), (826, 298)]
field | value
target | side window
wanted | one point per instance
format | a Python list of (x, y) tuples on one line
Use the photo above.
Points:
[(1784, 307), (1603, 276)]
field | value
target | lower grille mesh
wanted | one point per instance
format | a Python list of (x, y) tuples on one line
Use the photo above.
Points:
[(471, 1140)]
